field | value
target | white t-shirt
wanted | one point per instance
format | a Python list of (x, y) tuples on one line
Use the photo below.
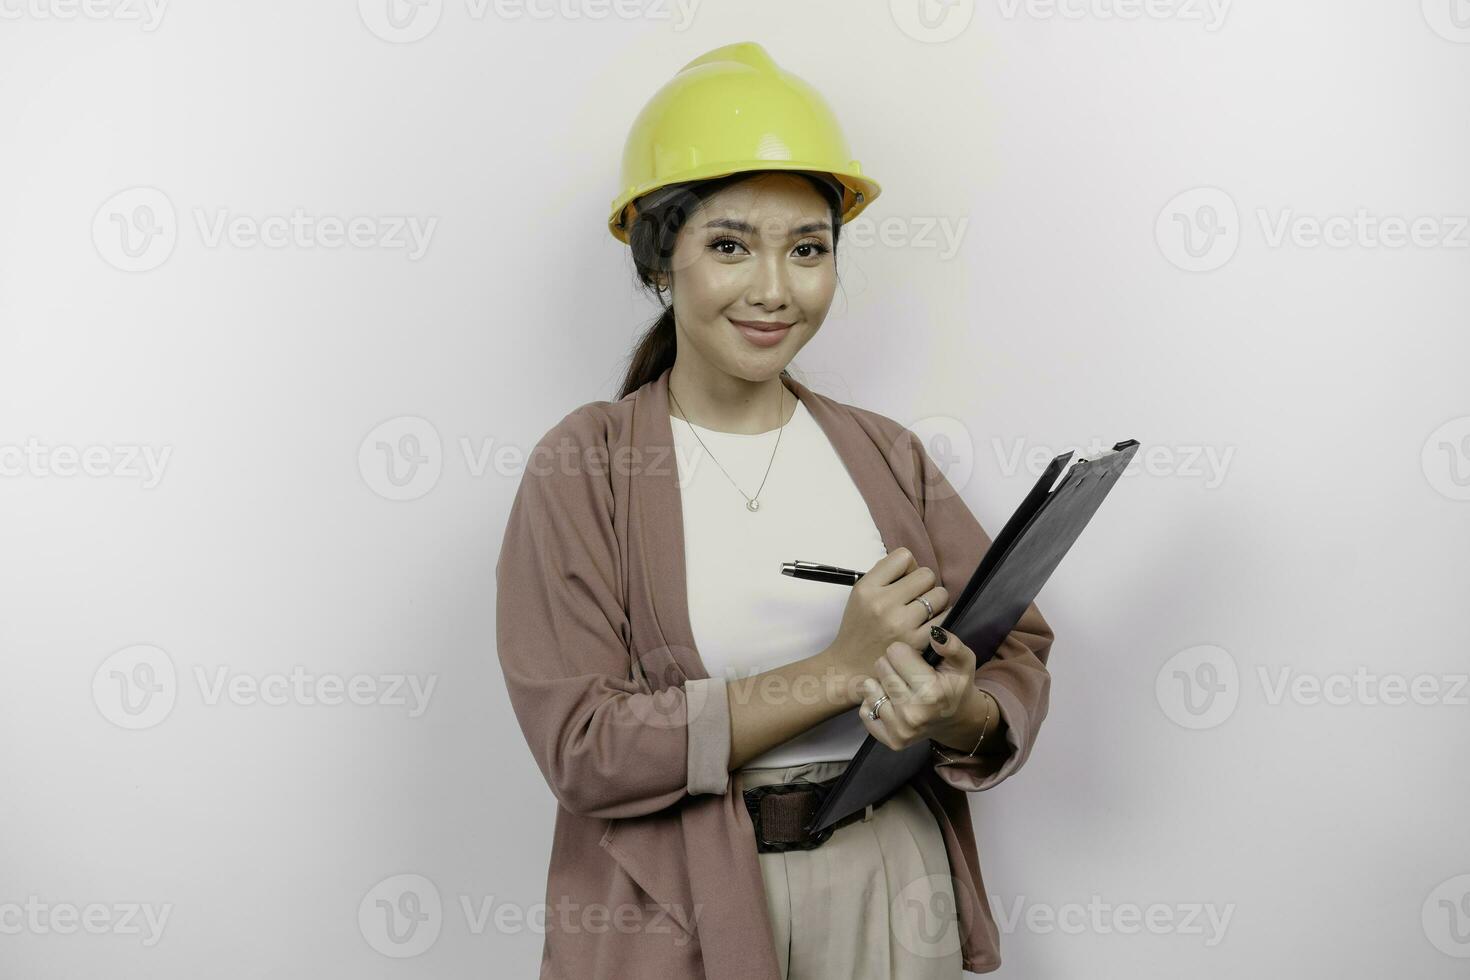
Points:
[(746, 616)]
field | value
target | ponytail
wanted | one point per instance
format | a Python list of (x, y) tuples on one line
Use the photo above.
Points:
[(653, 355)]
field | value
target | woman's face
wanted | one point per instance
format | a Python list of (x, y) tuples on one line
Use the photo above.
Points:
[(758, 252)]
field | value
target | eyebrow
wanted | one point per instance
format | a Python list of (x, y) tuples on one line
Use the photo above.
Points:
[(735, 224)]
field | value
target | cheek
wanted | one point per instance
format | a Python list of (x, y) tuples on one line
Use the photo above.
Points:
[(815, 288), (711, 286)]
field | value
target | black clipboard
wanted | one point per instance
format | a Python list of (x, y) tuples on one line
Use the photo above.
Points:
[(1010, 575)]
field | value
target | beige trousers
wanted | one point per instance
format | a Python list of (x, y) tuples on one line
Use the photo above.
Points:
[(874, 902)]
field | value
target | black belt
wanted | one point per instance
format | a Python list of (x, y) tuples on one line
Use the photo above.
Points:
[(782, 811)]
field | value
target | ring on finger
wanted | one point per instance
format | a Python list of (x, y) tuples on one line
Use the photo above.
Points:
[(891, 683), (873, 711)]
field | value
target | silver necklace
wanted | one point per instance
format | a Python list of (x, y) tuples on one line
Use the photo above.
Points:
[(751, 503)]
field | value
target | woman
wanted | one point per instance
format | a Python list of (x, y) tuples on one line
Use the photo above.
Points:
[(652, 650)]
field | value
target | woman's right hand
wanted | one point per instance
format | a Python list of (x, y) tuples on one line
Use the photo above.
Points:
[(883, 608)]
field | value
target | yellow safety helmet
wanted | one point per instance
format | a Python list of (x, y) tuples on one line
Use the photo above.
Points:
[(729, 111)]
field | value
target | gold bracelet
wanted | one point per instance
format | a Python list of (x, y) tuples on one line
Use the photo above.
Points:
[(983, 725)]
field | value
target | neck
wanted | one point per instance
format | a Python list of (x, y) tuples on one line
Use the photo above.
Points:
[(720, 401)]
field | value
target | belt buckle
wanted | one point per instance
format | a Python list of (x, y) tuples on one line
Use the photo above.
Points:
[(753, 797)]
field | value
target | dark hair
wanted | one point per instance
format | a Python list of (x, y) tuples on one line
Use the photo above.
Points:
[(661, 214)]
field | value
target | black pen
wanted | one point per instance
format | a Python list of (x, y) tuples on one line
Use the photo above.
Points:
[(815, 572)]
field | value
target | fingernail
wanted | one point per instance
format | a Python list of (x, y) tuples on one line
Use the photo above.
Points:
[(939, 635)]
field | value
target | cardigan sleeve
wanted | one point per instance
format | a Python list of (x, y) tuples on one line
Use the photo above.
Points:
[(606, 747), (1016, 676)]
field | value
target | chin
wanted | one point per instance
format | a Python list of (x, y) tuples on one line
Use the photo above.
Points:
[(761, 366)]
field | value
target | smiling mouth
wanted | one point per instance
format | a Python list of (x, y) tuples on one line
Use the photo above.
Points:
[(766, 325), (761, 333)]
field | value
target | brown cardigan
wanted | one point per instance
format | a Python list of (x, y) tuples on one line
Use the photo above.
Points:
[(653, 872)]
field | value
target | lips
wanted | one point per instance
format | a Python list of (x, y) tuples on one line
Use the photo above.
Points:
[(762, 334)]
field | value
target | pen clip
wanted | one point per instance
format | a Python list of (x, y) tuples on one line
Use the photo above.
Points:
[(816, 566)]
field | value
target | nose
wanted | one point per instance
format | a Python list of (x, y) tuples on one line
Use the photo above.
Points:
[(769, 288)]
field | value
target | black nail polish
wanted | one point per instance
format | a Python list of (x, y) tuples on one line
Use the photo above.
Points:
[(939, 635)]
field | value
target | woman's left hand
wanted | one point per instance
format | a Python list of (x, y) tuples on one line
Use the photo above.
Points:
[(923, 702)]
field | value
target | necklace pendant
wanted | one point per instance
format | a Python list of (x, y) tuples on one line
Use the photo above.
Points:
[(752, 504)]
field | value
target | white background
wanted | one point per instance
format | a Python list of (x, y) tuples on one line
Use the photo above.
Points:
[(1303, 407)]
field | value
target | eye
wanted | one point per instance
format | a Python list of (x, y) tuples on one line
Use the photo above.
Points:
[(815, 249), (718, 244)]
